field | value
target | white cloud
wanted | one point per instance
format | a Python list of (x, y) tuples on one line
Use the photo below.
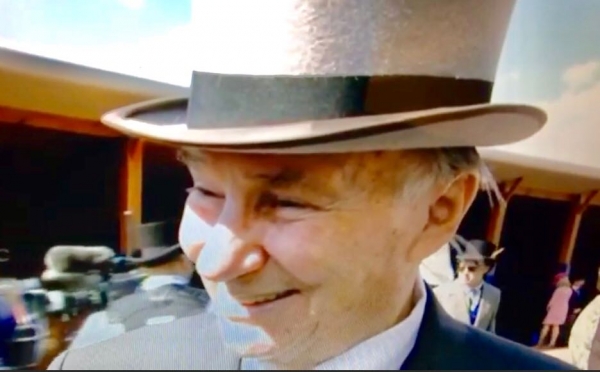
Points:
[(572, 133), (133, 4), (579, 76)]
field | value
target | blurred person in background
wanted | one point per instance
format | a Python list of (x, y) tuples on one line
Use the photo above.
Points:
[(163, 295), (584, 340), (557, 312), (469, 298), (576, 304), (8, 324)]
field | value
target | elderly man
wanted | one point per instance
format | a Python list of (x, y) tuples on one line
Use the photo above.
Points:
[(331, 146)]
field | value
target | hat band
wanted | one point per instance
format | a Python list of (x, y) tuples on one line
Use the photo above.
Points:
[(229, 101)]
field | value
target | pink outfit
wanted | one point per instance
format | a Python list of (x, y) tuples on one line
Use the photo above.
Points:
[(558, 307)]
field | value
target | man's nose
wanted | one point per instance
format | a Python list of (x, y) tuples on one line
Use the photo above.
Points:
[(232, 250)]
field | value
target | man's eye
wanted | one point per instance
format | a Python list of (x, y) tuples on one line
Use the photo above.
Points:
[(203, 192), (272, 201), (282, 203)]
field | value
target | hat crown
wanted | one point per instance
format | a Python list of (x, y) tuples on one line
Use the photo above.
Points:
[(324, 76), (481, 248), (449, 38), (156, 235)]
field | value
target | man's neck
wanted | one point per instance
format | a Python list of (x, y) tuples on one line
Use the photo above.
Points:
[(475, 285)]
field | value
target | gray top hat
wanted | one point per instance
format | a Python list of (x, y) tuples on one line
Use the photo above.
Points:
[(157, 244), (316, 76)]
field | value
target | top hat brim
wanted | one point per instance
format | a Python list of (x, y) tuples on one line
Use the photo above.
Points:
[(164, 121)]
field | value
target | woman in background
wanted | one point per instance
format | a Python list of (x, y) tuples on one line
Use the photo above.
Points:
[(557, 312)]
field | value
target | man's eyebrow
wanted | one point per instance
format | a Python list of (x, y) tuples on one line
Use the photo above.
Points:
[(283, 178)]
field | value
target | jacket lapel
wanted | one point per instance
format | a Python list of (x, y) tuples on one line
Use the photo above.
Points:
[(458, 304), (483, 317)]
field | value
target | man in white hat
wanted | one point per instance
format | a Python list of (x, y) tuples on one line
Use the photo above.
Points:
[(332, 148)]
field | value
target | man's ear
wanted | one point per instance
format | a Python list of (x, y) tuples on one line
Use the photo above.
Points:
[(447, 209)]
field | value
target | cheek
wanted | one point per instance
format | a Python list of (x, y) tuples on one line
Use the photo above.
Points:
[(315, 252), (298, 247)]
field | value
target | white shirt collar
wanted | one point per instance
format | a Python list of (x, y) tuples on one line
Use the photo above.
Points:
[(386, 351), (476, 290)]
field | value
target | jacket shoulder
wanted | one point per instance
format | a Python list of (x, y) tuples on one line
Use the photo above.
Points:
[(499, 353), (445, 288), (185, 344), (495, 291)]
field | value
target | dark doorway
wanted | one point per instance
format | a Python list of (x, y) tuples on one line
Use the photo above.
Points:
[(164, 185), (475, 223), (55, 188), (531, 236)]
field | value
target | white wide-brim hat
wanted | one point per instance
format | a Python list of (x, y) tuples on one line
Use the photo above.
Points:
[(317, 76)]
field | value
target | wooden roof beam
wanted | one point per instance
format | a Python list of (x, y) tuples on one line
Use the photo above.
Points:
[(509, 188), (496, 222), (585, 200), (131, 189), (12, 116), (579, 204)]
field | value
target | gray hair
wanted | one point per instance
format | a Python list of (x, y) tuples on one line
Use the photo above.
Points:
[(444, 164)]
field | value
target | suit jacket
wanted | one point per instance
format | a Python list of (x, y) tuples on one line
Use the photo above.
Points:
[(167, 302), (164, 304), (454, 300), (193, 344)]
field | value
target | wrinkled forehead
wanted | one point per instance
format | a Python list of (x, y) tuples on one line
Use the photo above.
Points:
[(378, 169), (196, 157)]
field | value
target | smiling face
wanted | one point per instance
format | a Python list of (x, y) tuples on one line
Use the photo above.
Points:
[(318, 252)]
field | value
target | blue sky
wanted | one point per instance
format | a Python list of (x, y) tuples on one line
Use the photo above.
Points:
[(545, 38), (552, 59), (99, 22), (551, 56)]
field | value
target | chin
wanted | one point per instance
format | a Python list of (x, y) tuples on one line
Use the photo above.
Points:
[(245, 339), (279, 346)]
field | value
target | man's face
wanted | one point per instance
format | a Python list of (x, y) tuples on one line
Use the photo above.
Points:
[(315, 251), (472, 272)]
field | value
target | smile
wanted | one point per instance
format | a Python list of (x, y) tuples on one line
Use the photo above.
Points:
[(265, 300)]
